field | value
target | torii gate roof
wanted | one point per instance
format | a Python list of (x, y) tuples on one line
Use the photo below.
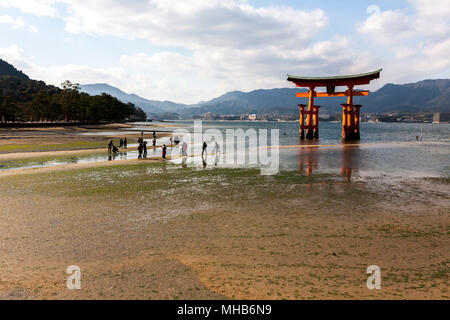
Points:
[(354, 79)]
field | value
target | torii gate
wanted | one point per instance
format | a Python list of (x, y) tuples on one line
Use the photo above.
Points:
[(350, 112)]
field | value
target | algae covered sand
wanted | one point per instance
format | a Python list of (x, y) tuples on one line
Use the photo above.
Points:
[(159, 231)]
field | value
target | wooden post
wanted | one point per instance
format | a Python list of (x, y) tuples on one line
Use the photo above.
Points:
[(350, 115), (350, 95), (344, 120), (351, 128), (357, 120), (309, 123), (316, 121), (302, 120)]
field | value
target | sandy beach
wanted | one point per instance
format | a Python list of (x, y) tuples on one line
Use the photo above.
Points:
[(155, 230)]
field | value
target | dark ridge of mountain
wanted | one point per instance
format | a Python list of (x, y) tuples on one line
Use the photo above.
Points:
[(425, 95), (23, 89), (7, 69), (149, 106), (440, 101), (422, 96)]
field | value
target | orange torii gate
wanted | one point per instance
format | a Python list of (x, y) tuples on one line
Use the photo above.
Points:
[(350, 112)]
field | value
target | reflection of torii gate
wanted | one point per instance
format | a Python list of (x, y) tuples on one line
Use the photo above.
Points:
[(350, 112)]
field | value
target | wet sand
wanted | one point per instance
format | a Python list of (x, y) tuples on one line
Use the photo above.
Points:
[(145, 230), (24, 140), (154, 230)]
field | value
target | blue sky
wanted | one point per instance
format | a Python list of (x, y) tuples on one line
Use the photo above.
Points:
[(191, 50)]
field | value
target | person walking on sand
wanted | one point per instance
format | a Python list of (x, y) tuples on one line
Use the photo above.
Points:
[(154, 141), (154, 134), (121, 143), (110, 144), (144, 146), (204, 148), (164, 151), (217, 148), (125, 143), (140, 151), (171, 141), (184, 149)]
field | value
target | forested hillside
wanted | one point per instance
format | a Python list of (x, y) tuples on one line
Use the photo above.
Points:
[(9, 70), (22, 99)]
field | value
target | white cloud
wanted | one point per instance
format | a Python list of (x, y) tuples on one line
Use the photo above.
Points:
[(388, 27), (209, 75), (206, 48), (14, 23), (194, 24), (432, 18), (33, 28), (429, 19), (12, 53), (37, 7), (230, 45), (17, 23), (416, 42)]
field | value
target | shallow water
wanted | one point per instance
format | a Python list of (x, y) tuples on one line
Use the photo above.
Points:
[(384, 149)]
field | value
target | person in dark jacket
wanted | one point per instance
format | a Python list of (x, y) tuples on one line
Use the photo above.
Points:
[(140, 151), (204, 148), (110, 145), (125, 143), (144, 148), (164, 151)]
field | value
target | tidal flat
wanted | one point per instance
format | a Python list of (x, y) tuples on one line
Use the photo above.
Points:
[(155, 230)]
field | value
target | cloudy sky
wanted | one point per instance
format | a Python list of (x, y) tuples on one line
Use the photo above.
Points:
[(191, 50)]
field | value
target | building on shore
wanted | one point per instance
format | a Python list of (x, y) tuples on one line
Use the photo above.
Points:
[(441, 117)]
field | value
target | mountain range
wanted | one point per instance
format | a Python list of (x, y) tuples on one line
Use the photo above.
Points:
[(422, 96), (149, 106)]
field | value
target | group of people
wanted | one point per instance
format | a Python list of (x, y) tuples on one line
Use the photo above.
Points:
[(205, 146), (142, 146), (123, 144)]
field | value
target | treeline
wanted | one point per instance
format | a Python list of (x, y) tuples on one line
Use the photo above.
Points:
[(23, 100)]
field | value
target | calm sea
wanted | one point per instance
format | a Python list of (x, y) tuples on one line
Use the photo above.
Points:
[(389, 149)]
